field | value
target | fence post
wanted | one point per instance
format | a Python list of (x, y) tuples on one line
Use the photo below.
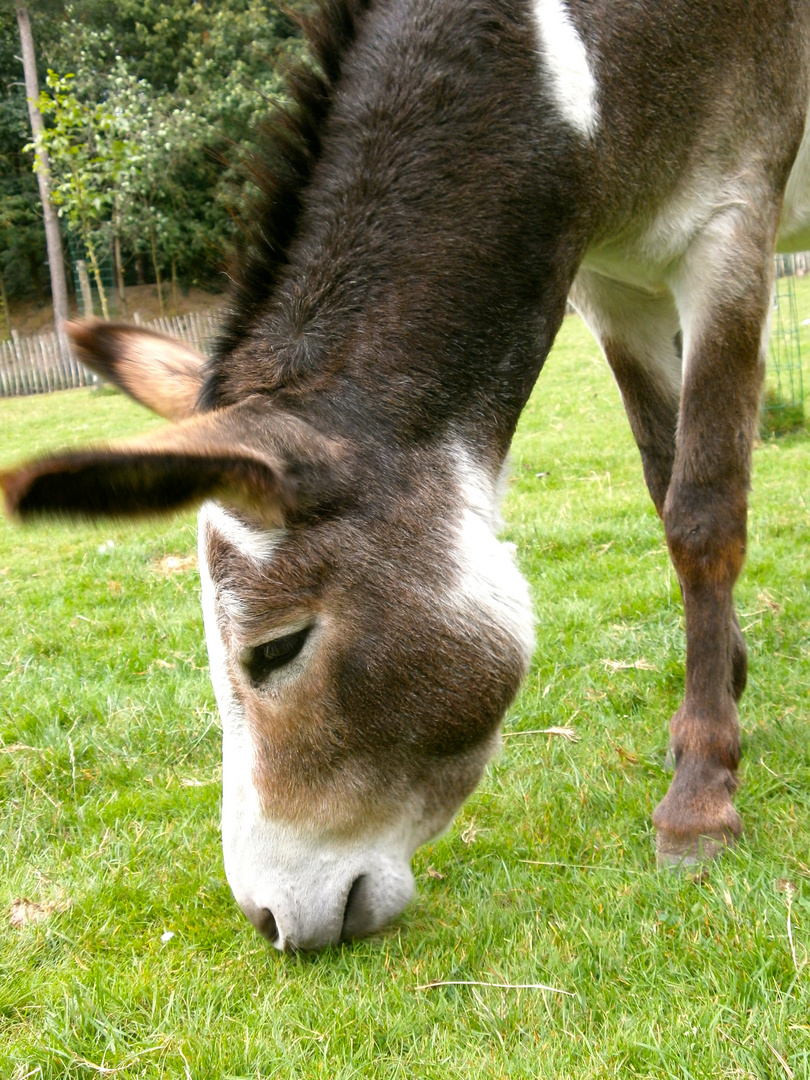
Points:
[(20, 362), (5, 382)]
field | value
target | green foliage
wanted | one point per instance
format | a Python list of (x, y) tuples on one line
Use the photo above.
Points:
[(22, 240), (150, 133), (109, 805), (166, 41), (90, 159)]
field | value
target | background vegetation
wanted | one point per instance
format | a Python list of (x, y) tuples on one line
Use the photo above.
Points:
[(109, 804), (165, 107)]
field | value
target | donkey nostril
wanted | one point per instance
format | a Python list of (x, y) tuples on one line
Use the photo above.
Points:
[(263, 920), (266, 925), (357, 916)]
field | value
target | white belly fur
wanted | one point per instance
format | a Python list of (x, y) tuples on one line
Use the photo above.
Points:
[(794, 224)]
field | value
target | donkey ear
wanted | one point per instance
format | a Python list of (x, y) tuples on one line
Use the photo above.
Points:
[(155, 370), (270, 465)]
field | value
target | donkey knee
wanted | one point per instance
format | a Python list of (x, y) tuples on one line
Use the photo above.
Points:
[(706, 535)]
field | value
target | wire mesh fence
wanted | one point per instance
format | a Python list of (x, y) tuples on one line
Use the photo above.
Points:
[(783, 401)]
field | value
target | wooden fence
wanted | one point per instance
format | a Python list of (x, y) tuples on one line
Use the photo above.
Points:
[(42, 363), (794, 265)]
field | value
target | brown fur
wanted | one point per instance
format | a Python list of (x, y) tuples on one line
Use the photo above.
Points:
[(337, 746)]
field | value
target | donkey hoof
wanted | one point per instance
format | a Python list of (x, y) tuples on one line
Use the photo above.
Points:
[(691, 854)]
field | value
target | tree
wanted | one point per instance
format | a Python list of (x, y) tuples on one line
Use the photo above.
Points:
[(53, 238), (90, 159), (196, 108), (185, 86)]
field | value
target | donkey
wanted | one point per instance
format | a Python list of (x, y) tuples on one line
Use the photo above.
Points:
[(449, 172)]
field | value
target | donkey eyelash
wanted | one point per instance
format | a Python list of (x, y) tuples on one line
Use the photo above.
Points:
[(263, 660)]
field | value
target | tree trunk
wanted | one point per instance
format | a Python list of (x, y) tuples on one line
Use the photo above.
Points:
[(119, 274), (102, 296), (54, 241), (157, 270), (84, 285)]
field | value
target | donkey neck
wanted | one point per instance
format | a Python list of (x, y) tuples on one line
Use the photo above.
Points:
[(432, 258)]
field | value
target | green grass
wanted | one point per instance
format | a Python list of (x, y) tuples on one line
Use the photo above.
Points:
[(109, 771)]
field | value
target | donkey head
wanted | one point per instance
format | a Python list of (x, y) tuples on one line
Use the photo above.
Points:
[(365, 628)]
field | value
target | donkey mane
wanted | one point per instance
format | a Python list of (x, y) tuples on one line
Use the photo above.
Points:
[(291, 146)]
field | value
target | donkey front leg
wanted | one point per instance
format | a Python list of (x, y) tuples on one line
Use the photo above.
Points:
[(640, 333), (705, 520)]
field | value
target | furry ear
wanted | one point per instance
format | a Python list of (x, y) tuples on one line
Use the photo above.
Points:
[(157, 371), (270, 464)]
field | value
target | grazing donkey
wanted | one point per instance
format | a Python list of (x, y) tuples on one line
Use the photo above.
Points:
[(447, 177)]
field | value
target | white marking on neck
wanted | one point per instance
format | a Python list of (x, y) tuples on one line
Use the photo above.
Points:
[(490, 579), (255, 544), (566, 66)]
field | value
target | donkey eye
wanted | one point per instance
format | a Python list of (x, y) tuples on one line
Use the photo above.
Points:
[(262, 660)]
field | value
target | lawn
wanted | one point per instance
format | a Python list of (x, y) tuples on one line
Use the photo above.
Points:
[(109, 772)]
